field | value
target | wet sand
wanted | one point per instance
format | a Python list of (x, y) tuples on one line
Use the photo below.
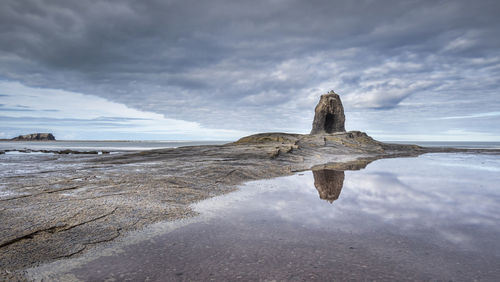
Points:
[(412, 219)]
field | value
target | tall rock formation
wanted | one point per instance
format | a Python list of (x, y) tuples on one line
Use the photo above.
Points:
[(35, 137), (329, 115)]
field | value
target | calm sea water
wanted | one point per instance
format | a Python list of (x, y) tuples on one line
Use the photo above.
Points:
[(15, 163), (466, 145), (430, 218), (111, 146)]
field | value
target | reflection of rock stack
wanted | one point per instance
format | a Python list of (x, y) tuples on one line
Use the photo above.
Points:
[(328, 183)]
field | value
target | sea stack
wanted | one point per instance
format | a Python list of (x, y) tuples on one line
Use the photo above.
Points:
[(329, 115), (35, 137)]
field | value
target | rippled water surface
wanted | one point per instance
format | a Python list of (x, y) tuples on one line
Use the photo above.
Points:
[(435, 217)]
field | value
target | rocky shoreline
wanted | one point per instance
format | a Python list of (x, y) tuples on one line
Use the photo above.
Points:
[(60, 152), (63, 213)]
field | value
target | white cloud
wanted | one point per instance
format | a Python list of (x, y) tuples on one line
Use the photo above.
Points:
[(385, 93), (461, 43), (74, 115), (478, 115)]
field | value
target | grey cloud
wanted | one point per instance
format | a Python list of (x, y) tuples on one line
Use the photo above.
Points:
[(14, 110), (17, 108), (22, 108), (99, 120), (254, 65), (117, 119)]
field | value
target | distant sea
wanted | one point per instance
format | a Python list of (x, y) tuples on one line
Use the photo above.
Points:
[(128, 146), (109, 146), (453, 144)]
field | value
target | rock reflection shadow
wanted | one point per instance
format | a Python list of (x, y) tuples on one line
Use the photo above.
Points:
[(328, 183)]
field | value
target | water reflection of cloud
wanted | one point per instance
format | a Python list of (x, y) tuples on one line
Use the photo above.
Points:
[(414, 207), (413, 196)]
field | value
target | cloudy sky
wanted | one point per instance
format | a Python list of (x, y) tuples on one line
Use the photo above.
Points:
[(221, 69)]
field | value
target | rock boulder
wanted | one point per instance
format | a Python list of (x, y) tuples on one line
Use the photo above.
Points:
[(329, 115), (35, 137)]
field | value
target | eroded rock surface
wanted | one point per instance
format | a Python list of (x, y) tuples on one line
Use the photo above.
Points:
[(74, 202), (329, 115)]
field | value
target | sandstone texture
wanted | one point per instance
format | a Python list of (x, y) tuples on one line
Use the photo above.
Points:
[(329, 115), (35, 137)]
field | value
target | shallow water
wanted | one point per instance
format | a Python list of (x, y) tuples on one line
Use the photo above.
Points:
[(434, 217), (16, 163), (111, 146)]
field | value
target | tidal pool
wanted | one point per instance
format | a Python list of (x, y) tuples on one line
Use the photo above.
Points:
[(435, 217)]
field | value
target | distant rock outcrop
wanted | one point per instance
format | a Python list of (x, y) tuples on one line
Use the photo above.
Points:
[(329, 115), (35, 137), (328, 183)]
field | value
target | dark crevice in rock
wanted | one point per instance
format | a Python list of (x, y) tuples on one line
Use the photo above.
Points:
[(28, 236), (53, 229), (88, 221), (73, 253), (38, 194), (64, 189), (16, 198), (225, 176), (85, 245)]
